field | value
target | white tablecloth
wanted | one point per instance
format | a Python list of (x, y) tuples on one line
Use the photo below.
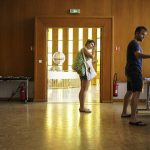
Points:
[(62, 75)]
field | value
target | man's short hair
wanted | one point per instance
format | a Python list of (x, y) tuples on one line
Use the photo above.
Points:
[(140, 28)]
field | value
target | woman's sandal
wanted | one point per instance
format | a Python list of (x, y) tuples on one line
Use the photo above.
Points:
[(85, 110), (126, 116)]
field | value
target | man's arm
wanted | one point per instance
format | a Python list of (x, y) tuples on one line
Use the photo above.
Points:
[(138, 55)]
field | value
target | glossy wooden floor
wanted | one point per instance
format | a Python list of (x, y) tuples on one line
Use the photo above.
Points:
[(60, 126)]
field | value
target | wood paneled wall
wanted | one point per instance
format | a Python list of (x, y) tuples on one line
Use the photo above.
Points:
[(17, 29), (127, 16)]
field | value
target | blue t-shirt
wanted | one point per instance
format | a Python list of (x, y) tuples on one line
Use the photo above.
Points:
[(133, 64)]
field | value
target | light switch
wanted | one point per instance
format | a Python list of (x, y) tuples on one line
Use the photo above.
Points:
[(40, 61)]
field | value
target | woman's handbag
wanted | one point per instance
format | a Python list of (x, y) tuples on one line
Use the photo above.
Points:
[(90, 71), (78, 64)]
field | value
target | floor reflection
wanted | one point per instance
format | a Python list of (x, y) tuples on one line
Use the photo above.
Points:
[(71, 94)]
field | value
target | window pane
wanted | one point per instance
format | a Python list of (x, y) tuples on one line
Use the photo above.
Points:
[(60, 34), (50, 34), (49, 68), (98, 44), (80, 33), (98, 68), (70, 32), (98, 58), (98, 39), (49, 58), (80, 44), (70, 68), (98, 33), (89, 33), (60, 46), (70, 59), (50, 46), (70, 46)]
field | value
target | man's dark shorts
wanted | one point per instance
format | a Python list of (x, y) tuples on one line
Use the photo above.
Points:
[(134, 82)]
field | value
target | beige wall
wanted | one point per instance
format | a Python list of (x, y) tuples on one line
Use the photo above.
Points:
[(17, 28)]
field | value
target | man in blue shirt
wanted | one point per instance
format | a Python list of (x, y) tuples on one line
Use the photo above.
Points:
[(133, 71)]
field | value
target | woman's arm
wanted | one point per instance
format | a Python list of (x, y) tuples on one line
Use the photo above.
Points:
[(89, 54)]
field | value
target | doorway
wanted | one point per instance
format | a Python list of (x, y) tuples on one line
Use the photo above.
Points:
[(41, 26), (63, 45)]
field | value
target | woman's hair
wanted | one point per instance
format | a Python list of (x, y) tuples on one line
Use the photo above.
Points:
[(89, 41)]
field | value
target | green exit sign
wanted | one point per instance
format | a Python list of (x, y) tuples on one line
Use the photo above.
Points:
[(74, 11)]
